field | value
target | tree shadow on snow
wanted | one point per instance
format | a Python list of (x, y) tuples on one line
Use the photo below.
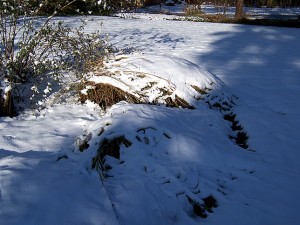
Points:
[(257, 57), (38, 187), (261, 65), (140, 39)]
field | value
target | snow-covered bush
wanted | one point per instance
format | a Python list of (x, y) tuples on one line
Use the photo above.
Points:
[(32, 47)]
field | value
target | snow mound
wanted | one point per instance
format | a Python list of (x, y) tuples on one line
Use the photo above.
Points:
[(146, 163), (151, 158), (162, 79), (160, 163)]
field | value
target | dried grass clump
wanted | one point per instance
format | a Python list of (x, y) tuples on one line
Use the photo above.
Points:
[(193, 10), (201, 90), (107, 95), (83, 143), (215, 18), (241, 137), (109, 147), (178, 103), (95, 65)]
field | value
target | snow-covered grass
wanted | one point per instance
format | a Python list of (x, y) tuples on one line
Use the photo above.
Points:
[(177, 157)]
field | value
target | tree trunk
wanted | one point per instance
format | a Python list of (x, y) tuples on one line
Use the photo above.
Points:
[(239, 9), (269, 3), (6, 104)]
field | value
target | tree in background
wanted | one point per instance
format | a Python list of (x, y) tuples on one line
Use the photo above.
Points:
[(239, 9)]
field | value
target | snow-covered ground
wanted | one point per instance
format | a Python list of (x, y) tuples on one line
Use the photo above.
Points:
[(177, 157)]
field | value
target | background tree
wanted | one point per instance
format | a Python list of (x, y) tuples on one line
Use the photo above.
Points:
[(239, 9)]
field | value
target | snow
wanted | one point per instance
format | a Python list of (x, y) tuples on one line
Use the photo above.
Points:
[(175, 154), (35, 187)]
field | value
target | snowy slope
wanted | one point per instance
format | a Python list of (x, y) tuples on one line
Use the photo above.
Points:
[(181, 156)]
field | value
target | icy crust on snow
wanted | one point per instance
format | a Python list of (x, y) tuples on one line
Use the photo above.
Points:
[(175, 160), (157, 77)]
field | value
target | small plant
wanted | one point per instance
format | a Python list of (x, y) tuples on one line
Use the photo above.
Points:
[(35, 48), (193, 10)]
